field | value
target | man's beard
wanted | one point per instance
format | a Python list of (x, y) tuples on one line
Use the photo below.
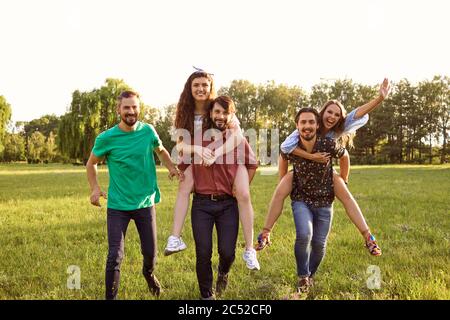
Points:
[(219, 128), (311, 137), (130, 121)]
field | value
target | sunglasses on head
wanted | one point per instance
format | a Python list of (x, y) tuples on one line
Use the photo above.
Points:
[(199, 70)]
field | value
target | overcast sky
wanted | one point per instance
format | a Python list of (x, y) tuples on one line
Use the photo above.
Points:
[(50, 48)]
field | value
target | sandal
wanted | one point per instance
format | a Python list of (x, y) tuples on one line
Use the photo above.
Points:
[(372, 246), (263, 240)]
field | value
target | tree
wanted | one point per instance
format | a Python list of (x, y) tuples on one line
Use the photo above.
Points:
[(428, 99), (46, 125), (163, 124), (14, 148), (278, 105), (70, 128), (346, 92), (412, 124), (89, 114), (5, 117), (49, 153), (36, 148), (443, 111), (245, 96), (320, 93), (396, 104)]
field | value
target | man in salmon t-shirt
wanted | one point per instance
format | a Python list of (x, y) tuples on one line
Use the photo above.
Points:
[(214, 202)]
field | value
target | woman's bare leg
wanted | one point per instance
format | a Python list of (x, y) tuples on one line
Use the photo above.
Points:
[(175, 243), (351, 206), (354, 213), (182, 202), (242, 193), (246, 213), (282, 191)]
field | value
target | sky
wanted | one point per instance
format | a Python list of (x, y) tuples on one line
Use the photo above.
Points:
[(49, 48)]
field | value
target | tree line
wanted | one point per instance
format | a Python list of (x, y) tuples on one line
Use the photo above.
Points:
[(411, 125)]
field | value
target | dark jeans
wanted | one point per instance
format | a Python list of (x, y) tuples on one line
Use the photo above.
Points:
[(205, 214), (117, 222)]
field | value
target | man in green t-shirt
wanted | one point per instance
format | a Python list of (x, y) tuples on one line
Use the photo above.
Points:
[(133, 190)]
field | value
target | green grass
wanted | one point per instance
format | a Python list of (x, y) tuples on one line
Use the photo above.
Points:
[(47, 224)]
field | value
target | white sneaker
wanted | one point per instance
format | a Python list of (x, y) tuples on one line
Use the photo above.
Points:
[(174, 244), (250, 259)]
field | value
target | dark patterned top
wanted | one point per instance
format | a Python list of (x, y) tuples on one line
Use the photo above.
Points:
[(313, 181)]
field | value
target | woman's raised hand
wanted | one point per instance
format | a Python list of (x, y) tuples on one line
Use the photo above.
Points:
[(385, 88)]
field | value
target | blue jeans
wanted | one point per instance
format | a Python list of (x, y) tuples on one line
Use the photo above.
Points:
[(312, 227)]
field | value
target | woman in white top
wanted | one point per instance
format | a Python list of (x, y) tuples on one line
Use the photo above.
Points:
[(197, 93)]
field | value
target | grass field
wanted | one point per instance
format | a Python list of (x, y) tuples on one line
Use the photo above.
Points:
[(47, 224)]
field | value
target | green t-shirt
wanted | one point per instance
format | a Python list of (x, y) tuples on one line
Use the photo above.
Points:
[(131, 166)]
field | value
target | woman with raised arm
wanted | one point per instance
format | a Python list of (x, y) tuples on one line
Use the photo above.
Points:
[(337, 124)]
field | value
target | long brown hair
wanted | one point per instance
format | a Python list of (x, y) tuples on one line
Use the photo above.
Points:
[(342, 140), (225, 102), (184, 116)]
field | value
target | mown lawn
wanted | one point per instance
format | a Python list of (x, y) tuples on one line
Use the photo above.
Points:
[(47, 224)]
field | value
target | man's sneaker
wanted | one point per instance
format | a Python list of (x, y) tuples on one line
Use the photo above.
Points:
[(250, 259), (303, 285), (372, 246), (221, 284), (211, 297), (174, 244), (153, 285)]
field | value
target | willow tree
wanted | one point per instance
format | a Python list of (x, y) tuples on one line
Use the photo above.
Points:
[(89, 114)]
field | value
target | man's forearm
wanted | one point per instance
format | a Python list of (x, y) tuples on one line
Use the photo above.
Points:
[(164, 157), (302, 153), (91, 170), (271, 219)]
